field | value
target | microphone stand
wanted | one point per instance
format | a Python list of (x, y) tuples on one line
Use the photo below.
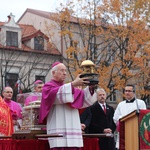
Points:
[(137, 107), (138, 114)]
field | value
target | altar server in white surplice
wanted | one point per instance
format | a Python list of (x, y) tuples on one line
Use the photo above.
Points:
[(127, 106)]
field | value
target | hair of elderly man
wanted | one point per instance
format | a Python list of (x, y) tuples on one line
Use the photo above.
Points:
[(53, 69), (6, 87), (100, 89)]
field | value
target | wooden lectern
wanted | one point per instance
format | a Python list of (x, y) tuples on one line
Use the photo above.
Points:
[(135, 131), (129, 134)]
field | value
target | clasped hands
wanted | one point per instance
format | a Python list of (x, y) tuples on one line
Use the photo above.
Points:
[(107, 130)]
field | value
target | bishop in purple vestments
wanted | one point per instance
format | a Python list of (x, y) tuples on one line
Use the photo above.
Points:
[(36, 94), (59, 108)]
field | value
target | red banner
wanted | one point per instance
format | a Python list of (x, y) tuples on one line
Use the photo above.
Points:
[(144, 124), (144, 131)]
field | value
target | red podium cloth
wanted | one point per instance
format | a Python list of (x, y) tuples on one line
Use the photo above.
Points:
[(24, 145), (122, 136), (89, 144)]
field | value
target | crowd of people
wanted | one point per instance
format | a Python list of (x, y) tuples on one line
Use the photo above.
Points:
[(11, 111), (70, 111)]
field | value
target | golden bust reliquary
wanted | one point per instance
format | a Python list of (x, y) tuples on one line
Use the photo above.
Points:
[(88, 68)]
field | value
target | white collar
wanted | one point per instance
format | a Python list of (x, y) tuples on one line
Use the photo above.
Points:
[(102, 104)]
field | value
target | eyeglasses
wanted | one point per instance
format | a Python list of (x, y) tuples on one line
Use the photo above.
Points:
[(128, 91)]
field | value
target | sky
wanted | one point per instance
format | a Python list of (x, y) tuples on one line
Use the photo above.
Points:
[(18, 7)]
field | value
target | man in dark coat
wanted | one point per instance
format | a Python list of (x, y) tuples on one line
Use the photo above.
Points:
[(102, 121), (85, 118)]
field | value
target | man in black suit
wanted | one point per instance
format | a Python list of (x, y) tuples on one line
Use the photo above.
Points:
[(102, 121), (85, 118)]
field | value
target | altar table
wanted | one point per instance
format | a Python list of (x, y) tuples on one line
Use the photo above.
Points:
[(9, 144)]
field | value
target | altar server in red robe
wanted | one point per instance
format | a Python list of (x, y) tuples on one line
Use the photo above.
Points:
[(15, 108), (6, 124)]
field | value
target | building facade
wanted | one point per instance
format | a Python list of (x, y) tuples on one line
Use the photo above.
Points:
[(25, 55)]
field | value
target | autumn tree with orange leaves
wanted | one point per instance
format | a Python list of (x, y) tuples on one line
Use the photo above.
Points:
[(115, 35)]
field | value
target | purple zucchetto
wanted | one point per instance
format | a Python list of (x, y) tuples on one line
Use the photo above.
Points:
[(55, 64), (38, 81)]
